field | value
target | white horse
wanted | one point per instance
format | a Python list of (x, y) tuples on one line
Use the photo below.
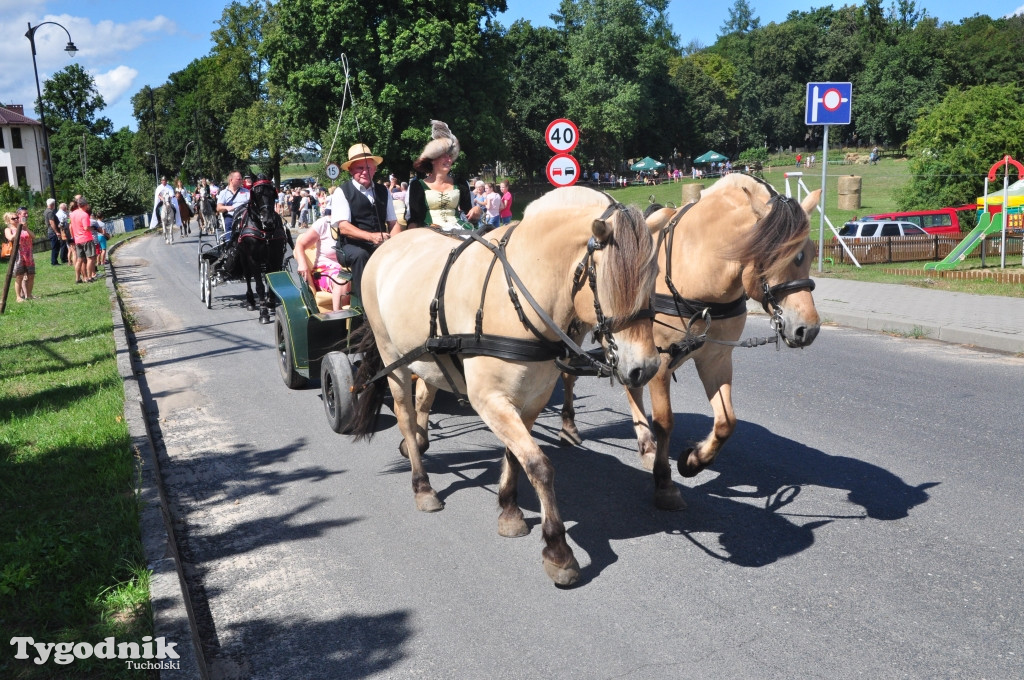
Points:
[(168, 218)]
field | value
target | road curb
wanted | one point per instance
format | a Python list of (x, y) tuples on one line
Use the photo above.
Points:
[(172, 616)]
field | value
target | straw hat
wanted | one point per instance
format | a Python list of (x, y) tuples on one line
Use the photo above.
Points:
[(358, 152)]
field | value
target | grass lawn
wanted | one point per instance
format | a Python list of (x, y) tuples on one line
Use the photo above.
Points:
[(71, 559)]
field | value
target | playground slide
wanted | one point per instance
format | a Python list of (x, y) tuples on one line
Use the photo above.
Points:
[(988, 224)]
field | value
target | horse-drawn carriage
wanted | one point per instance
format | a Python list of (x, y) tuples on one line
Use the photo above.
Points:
[(462, 318), (254, 247)]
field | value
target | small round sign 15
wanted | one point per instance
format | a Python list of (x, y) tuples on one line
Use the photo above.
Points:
[(333, 171), (563, 170), (562, 135)]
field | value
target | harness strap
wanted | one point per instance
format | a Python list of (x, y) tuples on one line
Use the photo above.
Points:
[(686, 307)]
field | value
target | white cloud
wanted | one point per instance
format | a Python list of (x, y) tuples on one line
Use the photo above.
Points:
[(114, 83), (103, 48), (1019, 10)]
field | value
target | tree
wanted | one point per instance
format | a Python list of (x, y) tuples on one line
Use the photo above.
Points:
[(617, 78), (536, 82), (113, 193), (741, 19), (956, 142), (707, 88), (409, 62), (70, 95)]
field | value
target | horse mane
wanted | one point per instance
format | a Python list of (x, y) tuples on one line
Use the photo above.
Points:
[(629, 257), (776, 238)]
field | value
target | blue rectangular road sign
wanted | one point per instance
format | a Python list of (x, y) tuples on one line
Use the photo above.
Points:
[(828, 103)]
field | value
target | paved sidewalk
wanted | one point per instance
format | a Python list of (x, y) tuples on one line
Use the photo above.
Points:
[(984, 321)]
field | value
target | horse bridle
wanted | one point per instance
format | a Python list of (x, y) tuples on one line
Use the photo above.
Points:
[(770, 294), (605, 327)]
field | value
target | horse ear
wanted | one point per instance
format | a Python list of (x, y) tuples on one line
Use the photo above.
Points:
[(759, 207), (602, 230), (811, 201), (657, 220)]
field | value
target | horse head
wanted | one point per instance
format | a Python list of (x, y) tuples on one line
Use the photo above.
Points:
[(776, 256), (614, 283), (262, 198)]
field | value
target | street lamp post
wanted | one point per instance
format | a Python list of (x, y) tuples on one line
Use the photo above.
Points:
[(70, 49), (156, 173)]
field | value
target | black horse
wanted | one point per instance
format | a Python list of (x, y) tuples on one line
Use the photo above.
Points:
[(260, 237)]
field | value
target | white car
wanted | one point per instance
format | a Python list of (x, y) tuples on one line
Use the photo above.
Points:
[(879, 228)]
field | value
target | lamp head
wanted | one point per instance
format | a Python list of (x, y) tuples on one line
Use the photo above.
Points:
[(71, 49)]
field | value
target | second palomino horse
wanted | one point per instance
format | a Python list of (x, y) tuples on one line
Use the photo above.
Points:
[(741, 239)]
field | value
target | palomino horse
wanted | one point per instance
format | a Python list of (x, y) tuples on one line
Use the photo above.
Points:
[(568, 238), (167, 217), (741, 239), (261, 237)]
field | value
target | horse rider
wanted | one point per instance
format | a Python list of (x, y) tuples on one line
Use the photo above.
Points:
[(230, 198), (163, 189), (362, 213)]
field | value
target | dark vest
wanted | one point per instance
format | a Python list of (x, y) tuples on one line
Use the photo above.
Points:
[(368, 216)]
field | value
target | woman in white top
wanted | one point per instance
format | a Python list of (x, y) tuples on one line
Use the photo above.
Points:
[(439, 200)]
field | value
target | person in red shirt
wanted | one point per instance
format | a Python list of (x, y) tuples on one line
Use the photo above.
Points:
[(85, 245)]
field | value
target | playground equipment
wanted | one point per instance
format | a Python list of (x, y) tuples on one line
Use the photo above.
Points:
[(991, 222)]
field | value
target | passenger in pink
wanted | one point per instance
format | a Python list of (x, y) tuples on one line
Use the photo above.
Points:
[(21, 254)]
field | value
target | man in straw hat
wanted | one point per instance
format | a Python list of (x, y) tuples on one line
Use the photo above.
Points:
[(362, 213)]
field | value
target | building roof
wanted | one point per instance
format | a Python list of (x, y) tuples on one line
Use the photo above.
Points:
[(14, 115)]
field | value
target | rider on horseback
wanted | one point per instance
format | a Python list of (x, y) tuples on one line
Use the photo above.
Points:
[(163, 189)]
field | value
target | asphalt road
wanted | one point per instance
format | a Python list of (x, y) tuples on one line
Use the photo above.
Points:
[(865, 521)]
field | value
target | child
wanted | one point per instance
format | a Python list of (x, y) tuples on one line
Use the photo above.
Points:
[(100, 233)]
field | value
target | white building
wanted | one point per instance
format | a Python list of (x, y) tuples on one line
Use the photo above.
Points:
[(22, 151)]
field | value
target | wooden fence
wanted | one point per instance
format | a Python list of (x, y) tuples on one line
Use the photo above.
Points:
[(912, 248)]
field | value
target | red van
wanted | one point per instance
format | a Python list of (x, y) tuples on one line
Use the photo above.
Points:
[(944, 221)]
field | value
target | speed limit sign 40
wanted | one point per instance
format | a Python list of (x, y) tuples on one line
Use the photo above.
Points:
[(562, 135)]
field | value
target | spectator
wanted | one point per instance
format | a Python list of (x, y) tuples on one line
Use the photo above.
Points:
[(304, 209), (67, 244), (492, 199), (506, 203), (480, 199), (100, 233), (22, 263), (294, 205), (52, 231), (85, 245)]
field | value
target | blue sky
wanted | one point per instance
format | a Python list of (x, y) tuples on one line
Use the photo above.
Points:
[(127, 45)]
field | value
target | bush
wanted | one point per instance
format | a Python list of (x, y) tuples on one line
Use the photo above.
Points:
[(113, 193), (755, 154)]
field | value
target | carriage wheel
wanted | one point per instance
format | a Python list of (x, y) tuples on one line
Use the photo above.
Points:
[(202, 279), (286, 356), (336, 390), (208, 284)]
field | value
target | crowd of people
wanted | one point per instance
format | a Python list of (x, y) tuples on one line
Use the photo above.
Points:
[(77, 238)]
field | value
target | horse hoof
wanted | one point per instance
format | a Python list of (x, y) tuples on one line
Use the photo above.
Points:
[(265, 319), (688, 464), (512, 527), (250, 307), (429, 502), (647, 461), (563, 576), (569, 438), (669, 499)]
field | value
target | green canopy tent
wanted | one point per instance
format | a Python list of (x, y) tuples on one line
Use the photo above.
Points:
[(710, 157), (647, 164)]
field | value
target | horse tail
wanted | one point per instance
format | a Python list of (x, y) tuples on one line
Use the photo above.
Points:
[(369, 396)]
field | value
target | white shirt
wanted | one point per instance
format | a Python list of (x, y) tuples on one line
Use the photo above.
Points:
[(326, 255), (342, 212)]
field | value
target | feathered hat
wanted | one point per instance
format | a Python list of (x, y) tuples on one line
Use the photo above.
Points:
[(442, 142)]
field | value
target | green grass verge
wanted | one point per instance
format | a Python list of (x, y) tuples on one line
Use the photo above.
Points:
[(71, 561)]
